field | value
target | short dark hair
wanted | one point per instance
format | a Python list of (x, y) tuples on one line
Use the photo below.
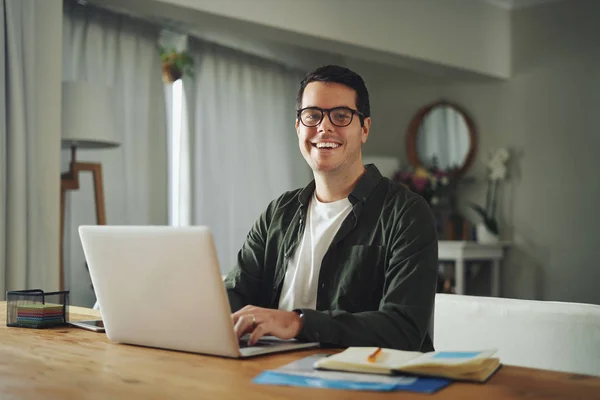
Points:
[(344, 76)]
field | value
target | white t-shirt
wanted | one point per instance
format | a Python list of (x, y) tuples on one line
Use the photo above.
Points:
[(323, 220)]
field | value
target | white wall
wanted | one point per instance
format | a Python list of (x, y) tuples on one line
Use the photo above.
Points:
[(464, 34), (468, 35), (547, 114)]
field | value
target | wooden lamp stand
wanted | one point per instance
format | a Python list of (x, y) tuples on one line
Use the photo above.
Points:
[(70, 181)]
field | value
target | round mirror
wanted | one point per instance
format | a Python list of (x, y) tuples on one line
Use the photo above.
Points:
[(442, 135)]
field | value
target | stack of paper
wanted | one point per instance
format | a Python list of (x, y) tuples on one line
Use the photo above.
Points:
[(302, 373), (40, 315)]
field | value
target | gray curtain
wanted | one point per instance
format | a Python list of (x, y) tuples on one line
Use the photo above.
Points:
[(30, 98), (243, 145), (104, 48)]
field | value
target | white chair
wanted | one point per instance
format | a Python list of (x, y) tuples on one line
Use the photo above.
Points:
[(537, 334)]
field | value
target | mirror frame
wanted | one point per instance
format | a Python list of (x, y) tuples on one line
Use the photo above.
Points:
[(413, 131)]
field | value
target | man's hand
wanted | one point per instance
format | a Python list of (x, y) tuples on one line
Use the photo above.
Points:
[(265, 321)]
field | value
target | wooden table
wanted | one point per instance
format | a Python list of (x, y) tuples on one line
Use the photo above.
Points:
[(72, 363)]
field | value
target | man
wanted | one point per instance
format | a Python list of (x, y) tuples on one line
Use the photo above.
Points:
[(351, 259)]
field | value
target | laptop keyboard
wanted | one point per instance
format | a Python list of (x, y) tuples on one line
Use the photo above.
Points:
[(243, 343)]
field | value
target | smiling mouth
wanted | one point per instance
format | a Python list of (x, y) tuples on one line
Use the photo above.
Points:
[(326, 145)]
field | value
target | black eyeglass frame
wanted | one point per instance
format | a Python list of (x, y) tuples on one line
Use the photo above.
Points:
[(328, 111)]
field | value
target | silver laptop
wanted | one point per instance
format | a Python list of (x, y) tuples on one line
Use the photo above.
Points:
[(161, 287)]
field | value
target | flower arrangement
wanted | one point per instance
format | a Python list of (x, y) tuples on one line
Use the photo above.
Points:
[(497, 173), (437, 186), (175, 64)]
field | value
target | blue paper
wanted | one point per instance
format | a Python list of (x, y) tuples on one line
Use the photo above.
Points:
[(302, 374)]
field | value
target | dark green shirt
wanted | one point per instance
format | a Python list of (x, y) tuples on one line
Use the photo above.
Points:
[(377, 280)]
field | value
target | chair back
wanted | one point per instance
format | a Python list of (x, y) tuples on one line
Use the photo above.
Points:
[(537, 334)]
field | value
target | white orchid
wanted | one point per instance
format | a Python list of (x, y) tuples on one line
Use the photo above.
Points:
[(497, 165), (498, 173)]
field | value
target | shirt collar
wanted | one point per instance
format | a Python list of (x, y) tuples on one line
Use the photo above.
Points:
[(361, 192), (366, 184)]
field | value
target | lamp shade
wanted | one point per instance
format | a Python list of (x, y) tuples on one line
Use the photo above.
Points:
[(88, 116)]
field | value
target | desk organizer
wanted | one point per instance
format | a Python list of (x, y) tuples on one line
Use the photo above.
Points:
[(36, 309)]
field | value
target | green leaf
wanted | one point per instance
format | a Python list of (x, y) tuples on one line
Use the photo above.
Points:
[(178, 60), (488, 220), (480, 210), (492, 225)]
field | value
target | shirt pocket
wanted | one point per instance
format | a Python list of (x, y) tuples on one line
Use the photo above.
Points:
[(361, 278)]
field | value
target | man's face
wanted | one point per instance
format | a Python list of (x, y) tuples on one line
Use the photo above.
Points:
[(326, 147)]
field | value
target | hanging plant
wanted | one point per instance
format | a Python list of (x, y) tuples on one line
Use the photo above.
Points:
[(175, 64)]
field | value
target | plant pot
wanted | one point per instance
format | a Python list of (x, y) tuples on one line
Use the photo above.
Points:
[(170, 73), (484, 236)]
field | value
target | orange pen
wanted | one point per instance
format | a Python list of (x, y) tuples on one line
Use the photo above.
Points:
[(373, 357)]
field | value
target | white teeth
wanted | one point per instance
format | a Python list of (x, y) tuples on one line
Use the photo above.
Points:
[(327, 144)]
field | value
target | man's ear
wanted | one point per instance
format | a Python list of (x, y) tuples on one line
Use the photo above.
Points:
[(366, 128), (297, 125)]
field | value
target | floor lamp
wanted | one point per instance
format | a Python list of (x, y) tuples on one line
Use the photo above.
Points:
[(87, 123)]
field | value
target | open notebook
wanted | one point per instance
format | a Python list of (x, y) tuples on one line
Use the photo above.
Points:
[(476, 366)]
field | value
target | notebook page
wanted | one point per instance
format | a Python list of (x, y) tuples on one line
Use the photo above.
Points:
[(304, 367), (387, 358)]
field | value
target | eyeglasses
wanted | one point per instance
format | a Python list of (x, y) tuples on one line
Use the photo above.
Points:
[(339, 116)]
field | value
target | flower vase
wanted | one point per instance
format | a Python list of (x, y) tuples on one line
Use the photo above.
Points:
[(485, 236)]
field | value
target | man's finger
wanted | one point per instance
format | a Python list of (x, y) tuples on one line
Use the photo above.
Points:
[(244, 311), (246, 308), (244, 325), (258, 332), (236, 315)]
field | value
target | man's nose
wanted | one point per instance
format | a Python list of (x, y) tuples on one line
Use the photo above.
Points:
[(325, 125)]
